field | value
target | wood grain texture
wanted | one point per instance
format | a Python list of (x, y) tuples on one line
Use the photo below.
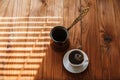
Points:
[(25, 50)]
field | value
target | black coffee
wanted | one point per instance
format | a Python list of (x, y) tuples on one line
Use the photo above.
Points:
[(59, 34), (76, 57)]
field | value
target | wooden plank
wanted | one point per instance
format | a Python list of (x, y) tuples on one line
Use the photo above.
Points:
[(3, 7), (116, 7), (109, 39), (38, 9), (75, 32), (71, 11), (49, 58), (22, 9), (7, 11), (91, 41), (56, 56)]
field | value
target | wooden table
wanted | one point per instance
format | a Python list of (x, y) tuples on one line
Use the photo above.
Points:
[(25, 51)]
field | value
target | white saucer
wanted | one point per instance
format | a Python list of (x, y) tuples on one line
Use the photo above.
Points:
[(72, 69)]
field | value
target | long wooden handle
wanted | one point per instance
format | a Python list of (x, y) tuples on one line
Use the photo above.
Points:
[(82, 14)]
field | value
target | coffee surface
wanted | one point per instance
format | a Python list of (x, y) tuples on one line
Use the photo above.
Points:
[(59, 34), (76, 57)]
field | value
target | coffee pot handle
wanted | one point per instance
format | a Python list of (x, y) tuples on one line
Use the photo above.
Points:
[(81, 15)]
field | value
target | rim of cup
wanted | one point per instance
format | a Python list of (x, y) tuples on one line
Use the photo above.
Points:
[(62, 27), (76, 65)]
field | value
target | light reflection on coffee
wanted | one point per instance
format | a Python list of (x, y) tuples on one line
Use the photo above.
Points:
[(76, 57)]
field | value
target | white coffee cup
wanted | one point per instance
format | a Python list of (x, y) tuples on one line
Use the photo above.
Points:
[(76, 57)]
